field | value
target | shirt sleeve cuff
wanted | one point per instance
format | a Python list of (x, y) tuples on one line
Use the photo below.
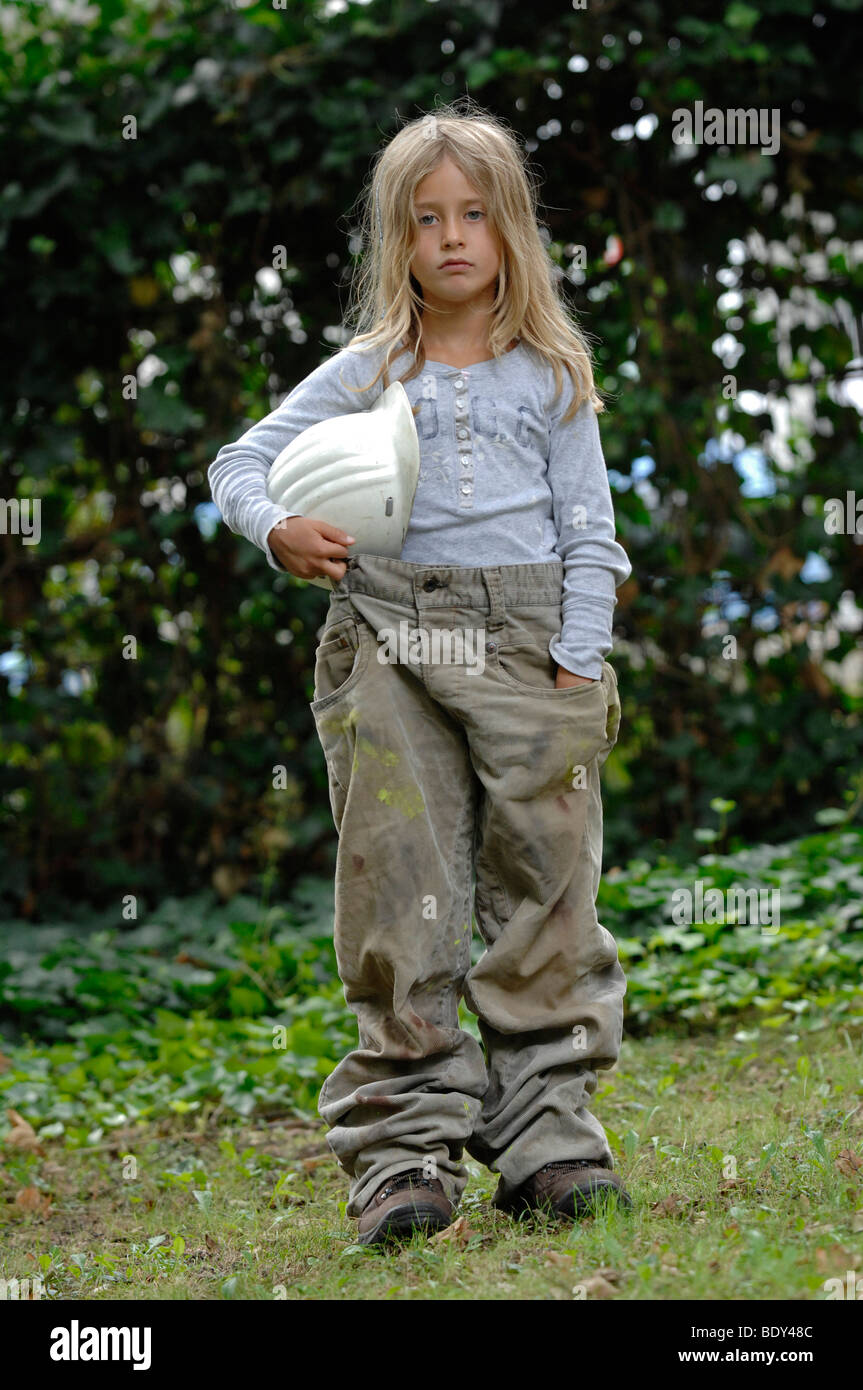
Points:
[(585, 640), (264, 526)]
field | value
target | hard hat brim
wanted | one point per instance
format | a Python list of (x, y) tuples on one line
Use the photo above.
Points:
[(357, 471)]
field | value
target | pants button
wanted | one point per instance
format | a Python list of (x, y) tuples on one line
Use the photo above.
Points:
[(489, 646), (431, 584)]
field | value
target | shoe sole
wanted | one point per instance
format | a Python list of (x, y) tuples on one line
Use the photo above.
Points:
[(400, 1223)]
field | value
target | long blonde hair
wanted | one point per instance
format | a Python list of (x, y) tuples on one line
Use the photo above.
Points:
[(386, 300)]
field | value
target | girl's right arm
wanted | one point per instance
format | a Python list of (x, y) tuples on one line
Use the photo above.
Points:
[(238, 474)]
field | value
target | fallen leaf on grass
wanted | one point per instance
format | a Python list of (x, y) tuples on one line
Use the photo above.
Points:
[(210, 1242), (673, 1205), (596, 1287), (22, 1135), (857, 1221), (32, 1200), (310, 1164), (848, 1162), (837, 1257), (554, 1257), (458, 1234)]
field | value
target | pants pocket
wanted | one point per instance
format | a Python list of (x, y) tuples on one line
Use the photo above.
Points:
[(339, 661), (613, 710), (531, 668)]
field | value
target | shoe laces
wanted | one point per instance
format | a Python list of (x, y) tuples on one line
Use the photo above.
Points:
[(569, 1163), (414, 1177)]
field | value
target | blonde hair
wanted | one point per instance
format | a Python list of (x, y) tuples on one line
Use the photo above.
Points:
[(387, 299)]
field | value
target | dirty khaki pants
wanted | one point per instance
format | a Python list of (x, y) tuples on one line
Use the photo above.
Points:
[(462, 780)]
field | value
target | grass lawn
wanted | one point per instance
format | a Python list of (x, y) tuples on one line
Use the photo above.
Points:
[(743, 1152)]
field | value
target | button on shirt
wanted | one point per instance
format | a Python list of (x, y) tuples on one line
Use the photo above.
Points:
[(503, 481)]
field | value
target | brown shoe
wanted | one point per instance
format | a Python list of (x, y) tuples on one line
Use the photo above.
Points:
[(572, 1188), (403, 1204)]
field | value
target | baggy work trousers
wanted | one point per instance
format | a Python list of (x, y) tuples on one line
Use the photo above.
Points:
[(461, 779)]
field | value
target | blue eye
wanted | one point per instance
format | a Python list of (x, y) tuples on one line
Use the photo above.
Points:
[(477, 211)]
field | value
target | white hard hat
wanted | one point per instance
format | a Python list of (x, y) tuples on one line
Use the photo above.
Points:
[(356, 471)]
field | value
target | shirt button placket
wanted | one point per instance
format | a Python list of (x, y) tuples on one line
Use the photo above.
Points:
[(463, 443)]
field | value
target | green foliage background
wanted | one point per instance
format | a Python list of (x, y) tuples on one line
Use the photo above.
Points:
[(211, 1004), (255, 128)]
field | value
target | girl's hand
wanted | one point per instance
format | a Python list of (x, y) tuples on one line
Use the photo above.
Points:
[(309, 549), (565, 678)]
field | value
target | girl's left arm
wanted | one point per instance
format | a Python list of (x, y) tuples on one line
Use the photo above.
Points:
[(595, 564)]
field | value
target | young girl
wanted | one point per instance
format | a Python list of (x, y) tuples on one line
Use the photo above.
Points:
[(462, 787)]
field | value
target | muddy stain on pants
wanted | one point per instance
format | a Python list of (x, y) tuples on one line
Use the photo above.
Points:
[(462, 781)]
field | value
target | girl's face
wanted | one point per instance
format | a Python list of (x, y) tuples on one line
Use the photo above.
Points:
[(452, 224)]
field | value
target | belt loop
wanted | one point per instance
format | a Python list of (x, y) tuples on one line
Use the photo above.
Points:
[(497, 608), (343, 585)]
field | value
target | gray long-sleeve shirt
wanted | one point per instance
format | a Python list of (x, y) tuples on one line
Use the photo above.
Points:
[(502, 480)]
